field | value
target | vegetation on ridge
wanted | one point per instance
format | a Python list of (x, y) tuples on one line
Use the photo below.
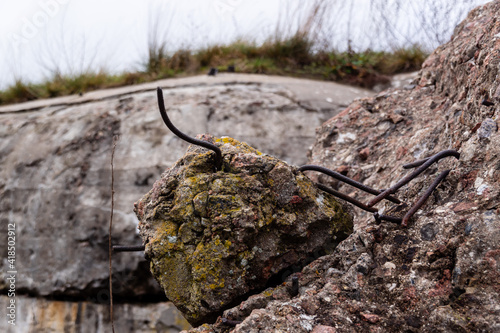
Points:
[(300, 46), (294, 56)]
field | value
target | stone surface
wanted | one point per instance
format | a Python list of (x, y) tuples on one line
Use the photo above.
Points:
[(441, 273), (43, 316), (55, 169), (214, 237), (316, 95)]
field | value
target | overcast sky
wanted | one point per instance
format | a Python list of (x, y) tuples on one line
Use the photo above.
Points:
[(40, 36)]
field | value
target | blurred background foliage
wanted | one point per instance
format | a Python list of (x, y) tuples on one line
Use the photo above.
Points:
[(311, 39)]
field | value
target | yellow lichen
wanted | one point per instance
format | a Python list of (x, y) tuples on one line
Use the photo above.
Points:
[(214, 286), (268, 292), (220, 211), (243, 146)]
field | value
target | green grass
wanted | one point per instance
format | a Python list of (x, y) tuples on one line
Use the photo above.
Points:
[(66, 85), (293, 56)]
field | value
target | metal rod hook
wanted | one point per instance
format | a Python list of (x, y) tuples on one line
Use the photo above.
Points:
[(187, 138)]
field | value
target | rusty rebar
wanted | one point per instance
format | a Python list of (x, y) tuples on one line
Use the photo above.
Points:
[(346, 180), (130, 248), (424, 197), (295, 286), (411, 176), (381, 217), (230, 322), (185, 137), (415, 164), (346, 198)]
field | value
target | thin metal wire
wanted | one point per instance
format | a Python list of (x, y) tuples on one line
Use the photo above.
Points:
[(185, 137), (113, 148)]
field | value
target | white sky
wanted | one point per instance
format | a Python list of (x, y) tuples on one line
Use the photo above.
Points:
[(40, 36)]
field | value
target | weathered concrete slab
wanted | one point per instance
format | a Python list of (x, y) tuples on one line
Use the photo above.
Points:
[(41, 315), (315, 94)]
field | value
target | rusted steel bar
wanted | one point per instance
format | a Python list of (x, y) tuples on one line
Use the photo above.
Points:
[(380, 217), (131, 248), (346, 180), (230, 322), (346, 198), (415, 164), (295, 286), (185, 137), (408, 178), (424, 197)]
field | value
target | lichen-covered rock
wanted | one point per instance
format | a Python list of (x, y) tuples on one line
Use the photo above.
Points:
[(214, 237)]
